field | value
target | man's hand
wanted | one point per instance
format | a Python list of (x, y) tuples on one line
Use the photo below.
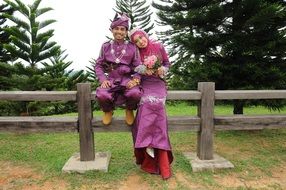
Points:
[(132, 83), (105, 84)]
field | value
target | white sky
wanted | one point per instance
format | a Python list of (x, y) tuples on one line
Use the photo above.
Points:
[(81, 27)]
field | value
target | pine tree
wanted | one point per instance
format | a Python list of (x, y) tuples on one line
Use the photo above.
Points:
[(6, 73), (60, 78), (239, 44), (28, 42), (139, 13), (4, 36), (57, 76)]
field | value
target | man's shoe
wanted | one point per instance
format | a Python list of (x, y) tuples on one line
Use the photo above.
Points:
[(129, 117), (107, 117)]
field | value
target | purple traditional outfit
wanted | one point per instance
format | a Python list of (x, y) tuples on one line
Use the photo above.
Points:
[(150, 129), (116, 64)]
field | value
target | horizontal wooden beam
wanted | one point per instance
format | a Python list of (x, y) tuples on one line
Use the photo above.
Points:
[(247, 122), (172, 95), (182, 123), (38, 124), (59, 124), (38, 95), (184, 95), (249, 94)]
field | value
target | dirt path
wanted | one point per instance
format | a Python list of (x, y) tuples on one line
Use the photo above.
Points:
[(19, 177)]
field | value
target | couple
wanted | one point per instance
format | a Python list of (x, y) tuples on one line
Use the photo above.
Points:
[(136, 78)]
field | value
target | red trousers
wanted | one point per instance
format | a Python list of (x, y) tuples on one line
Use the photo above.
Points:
[(160, 164)]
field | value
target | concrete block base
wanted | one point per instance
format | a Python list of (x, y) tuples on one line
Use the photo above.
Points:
[(100, 162), (199, 165)]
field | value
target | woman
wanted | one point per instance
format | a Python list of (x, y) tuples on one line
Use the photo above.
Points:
[(150, 130)]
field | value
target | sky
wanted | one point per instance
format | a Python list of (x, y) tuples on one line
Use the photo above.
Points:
[(81, 27)]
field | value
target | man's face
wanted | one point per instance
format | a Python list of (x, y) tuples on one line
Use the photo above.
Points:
[(119, 32)]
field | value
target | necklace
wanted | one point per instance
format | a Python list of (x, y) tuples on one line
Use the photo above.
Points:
[(123, 51)]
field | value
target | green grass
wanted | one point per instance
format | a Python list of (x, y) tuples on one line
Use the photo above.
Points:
[(254, 154), (185, 109), (49, 152)]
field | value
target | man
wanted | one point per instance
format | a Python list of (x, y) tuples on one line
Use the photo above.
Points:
[(115, 70)]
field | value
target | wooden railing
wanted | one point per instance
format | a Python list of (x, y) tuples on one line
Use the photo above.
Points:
[(205, 123)]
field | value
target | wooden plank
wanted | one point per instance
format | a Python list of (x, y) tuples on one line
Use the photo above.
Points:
[(249, 94), (87, 152), (38, 95), (206, 113), (247, 122), (38, 124), (182, 123), (183, 95), (174, 95), (69, 124)]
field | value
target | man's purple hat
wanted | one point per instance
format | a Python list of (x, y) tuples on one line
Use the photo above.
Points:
[(123, 20)]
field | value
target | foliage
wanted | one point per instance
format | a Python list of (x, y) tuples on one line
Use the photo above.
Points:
[(238, 44), (30, 41), (4, 36), (6, 73), (27, 40), (138, 12), (60, 77)]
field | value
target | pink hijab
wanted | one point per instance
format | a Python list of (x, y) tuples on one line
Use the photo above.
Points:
[(152, 48)]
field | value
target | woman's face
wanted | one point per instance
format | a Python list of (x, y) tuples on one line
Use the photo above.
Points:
[(140, 40), (119, 32)]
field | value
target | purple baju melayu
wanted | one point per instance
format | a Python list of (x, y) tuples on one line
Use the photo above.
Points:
[(116, 63)]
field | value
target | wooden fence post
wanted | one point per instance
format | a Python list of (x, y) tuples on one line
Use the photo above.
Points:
[(85, 122), (206, 113)]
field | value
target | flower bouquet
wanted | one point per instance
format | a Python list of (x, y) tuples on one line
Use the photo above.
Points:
[(150, 65), (152, 62)]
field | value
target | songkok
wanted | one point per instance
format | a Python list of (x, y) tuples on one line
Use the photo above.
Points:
[(123, 20)]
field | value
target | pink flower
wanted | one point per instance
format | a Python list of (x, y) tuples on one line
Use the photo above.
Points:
[(152, 62)]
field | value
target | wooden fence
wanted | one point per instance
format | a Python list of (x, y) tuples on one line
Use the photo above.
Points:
[(205, 123)]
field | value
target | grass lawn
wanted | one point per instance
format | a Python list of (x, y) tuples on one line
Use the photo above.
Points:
[(183, 109), (34, 161)]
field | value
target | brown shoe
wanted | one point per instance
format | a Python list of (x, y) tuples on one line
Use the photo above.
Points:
[(107, 117), (129, 118)]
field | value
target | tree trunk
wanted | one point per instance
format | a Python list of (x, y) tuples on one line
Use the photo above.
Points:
[(238, 107)]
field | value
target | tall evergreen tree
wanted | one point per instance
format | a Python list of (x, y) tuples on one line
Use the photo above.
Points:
[(6, 73), (4, 36), (239, 44), (139, 13), (28, 42), (58, 74)]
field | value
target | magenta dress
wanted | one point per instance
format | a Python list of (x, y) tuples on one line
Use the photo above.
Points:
[(151, 128)]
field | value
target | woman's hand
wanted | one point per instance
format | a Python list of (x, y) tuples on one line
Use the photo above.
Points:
[(105, 84), (161, 71), (149, 72)]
